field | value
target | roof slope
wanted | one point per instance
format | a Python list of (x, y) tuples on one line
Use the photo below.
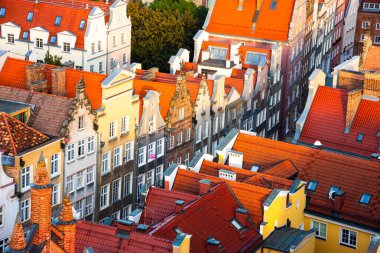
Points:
[(210, 216), (327, 118), (48, 111), (272, 24), (284, 169), (354, 176), (16, 136), (160, 204), (45, 15)]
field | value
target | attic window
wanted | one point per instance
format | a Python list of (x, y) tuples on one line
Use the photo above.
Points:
[(254, 58), (53, 40), (2, 12), (25, 35), (58, 21), (30, 16), (365, 198), (81, 25), (273, 5), (360, 137), (312, 185), (236, 224)]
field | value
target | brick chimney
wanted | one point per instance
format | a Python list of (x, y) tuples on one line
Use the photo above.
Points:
[(339, 200), (204, 186), (36, 78), (214, 246), (18, 242), (371, 84), (353, 100), (241, 216), (66, 224), (58, 81), (41, 191)]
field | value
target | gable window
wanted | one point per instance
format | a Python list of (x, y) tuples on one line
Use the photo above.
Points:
[(82, 24), (25, 210), (54, 165), (360, 137), (160, 147), (26, 175), (90, 144), (58, 20), (2, 12), (348, 237), (365, 198), (181, 113), (320, 228), (117, 157), (11, 38), (218, 53), (53, 40), (30, 16), (66, 47), (80, 122), (104, 201), (125, 124), (25, 35), (129, 151), (312, 185), (128, 184), (105, 163), (116, 193)]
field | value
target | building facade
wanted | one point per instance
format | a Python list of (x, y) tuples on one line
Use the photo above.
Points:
[(350, 17)]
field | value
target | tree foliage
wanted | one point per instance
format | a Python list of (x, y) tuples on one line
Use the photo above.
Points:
[(160, 30), (53, 60)]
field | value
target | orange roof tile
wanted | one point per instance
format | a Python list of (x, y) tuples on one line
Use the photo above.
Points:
[(272, 24), (284, 169), (16, 136), (372, 61), (326, 122), (189, 66), (354, 176), (45, 14)]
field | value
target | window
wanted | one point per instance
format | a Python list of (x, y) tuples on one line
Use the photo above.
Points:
[(361, 37), (126, 211), (55, 196), (215, 125), (365, 198), (218, 53), (80, 122), (89, 205), (255, 58), (186, 159), (2, 209), (54, 165), (53, 40), (2, 12), (171, 141), (99, 45), (360, 137), (150, 178), (101, 67), (39, 43), (30, 16), (124, 58), (25, 35), (236, 224), (112, 130), (181, 113), (151, 123), (3, 242), (221, 122), (11, 38), (129, 151), (90, 175), (90, 144), (377, 40), (128, 184), (151, 151), (117, 157), (92, 47), (114, 41), (312, 185), (66, 47), (179, 138), (142, 156), (104, 201), (199, 134), (159, 174), (178, 160), (122, 38), (125, 124), (70, 183), (92, 68), (26, 175), (273, 5), (58, 21), (140, 185), (348, 237), (377, 26), (105, 163), (188, 134), (365, 25), (80, 179), (25, 210), (116, 190), (320, 228), (82, 24), (205, 131), (160, 147), (80, 148)]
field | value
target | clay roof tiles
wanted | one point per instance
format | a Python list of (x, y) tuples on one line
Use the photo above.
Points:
[(284, 169)]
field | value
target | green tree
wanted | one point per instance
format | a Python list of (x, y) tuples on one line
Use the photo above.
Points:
[(53, 60)]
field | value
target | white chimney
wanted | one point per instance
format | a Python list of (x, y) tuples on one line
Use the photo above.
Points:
[(237, 59), (235, 159), (205, 55), (228, 64), (135, 215), (226, 174)]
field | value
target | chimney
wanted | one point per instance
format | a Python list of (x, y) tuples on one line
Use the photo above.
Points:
[(241, 216), (371, 85), (214, 246), (228, 64), (150, 75), (339, 200), (235, 159), (179, 205), (36, 78), (236, 59), (135, 215), (353, 100), (367, 43), (58, 81), (204, 186), (229, 175)]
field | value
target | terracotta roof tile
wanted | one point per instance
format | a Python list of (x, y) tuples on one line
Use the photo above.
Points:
[(284, 169), (16, 136), (354, 176)]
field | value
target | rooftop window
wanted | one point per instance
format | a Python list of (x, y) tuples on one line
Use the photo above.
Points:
[(30, 16), (2, 12), (236, 224), (360, 137), (58, 21), (365, 198), (273, 5), (254, 58), (312, 185), (53, 40), (25, 35), (81, 25)]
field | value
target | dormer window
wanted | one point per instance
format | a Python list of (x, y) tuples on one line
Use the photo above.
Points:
[(218, 53), (25, 35), (254, 58), (58, 20), (82, 24), (360, 137), (53, 40), (66, 47), (312, 185), (2, 12), (365, 198), (273, 5), (30, 16)]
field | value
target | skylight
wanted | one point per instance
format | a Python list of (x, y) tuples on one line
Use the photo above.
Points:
[(81, 25), (58, 21), (25, 35), (2, 12), (236, 224), (365, 198), (360, 137), (312, 185), (53, 40), (273, 5), (334, 188), (30, 16)]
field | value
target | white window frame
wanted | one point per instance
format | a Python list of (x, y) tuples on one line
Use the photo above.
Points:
[(66, 47), (80, 182), (117, 156), (129, 151), (159, 175), (55, 195), (81, 149), (151, 151), (89, 205), (186, 159), (90, 145), (55, 164), (39, 43), (25, 210), (160, 147), (2, 215), (142, 156), (318, 229), (70, 152), (199, 134), (112, 130), (70, 183), (181, 113), (80, 123), (349, 235), (205, 135), (188, 134), (171, 141), (26, 176), (179, 138), (125, 124), (150, 178), (104, 196), (105, 169), (90, 175), (126, 211)]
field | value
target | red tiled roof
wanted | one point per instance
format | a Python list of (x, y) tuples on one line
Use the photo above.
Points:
[(272, 25), (13, 74), (160, 204), (354, 176), (250, 196), (372, 61), (210, 216), (327, 118), (45, 15), (189, 66), (284, 169), (105, 239), (16, 136), (236, 83)]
